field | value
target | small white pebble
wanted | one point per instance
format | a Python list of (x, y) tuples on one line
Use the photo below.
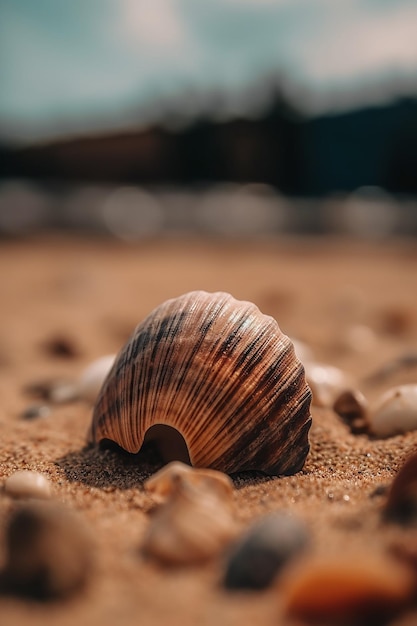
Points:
[(395, 412), (28, 484), (326, 382), (93, 377), (63, 392)]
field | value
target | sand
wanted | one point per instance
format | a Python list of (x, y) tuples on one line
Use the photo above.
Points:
[(91, 293)]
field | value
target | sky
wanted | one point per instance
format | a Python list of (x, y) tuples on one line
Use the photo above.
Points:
[(69, 65)]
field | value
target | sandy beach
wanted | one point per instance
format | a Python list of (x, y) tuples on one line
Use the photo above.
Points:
[(88, 295)]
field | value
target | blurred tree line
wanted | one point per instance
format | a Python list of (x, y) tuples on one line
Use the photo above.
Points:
[(298, 155)]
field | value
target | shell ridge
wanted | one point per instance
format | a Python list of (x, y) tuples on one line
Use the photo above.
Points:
[(141, 345), (142, 377), (248, 412), (217, 361), (219, 371), (155, 402), (199, 371), (163, 350), (186, 366), (228, 392), (282, 439)]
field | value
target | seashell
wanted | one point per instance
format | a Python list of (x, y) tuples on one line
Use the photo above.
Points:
[(352, 406), (27, 484), (92, 378), (395, 412), (326, 382), (196, 519), (220, 373), (358, 588), (49, 553), (264, 550)]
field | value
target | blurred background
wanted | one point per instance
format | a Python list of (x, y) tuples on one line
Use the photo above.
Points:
[(229, 117)]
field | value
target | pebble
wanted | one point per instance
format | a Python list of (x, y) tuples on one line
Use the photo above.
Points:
[(93, 377), (398, 321), (395, 411), (352, 406), (61, 347), (167, 481), (195, 520), (48, 551), (36, 411), (28, 484), (348, 589), (264, 550), (63, 392), (326, 382), (54, 391), (401, 504), (86, 387), (380, 490)]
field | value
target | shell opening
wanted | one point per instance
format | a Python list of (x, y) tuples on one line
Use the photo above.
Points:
[(169, 442)]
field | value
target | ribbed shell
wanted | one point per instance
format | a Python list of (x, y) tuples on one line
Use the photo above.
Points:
[(222, 374)]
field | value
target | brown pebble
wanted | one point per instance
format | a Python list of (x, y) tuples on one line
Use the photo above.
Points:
[(36, 411), (380, 490), (398, 320), (401, 505), (353, 590), (61, 347), (39, 389), (49, 552), (352, 407)]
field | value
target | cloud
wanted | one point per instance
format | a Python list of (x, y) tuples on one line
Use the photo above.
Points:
[(357, 44), (63, 59), (157, 25)]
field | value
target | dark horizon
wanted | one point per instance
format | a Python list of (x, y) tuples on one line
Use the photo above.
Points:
[(297, 155)]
